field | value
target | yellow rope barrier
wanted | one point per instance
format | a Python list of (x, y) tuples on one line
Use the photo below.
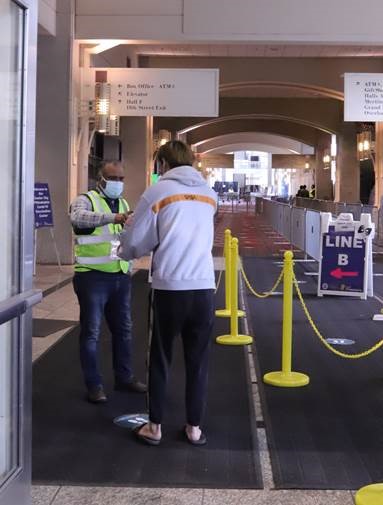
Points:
[(322, 339), (265, 294)]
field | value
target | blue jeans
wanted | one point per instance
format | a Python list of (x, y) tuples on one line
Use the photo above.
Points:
[(99, 294)]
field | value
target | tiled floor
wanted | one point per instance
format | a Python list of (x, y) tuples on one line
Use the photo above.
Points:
[(62, 304), (51, 275), (67, 495)]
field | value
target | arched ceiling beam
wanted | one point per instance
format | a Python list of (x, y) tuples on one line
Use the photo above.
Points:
[(299, 132), (255, 116), (249, 146), (298, 88), (253, 141), (324, 114)]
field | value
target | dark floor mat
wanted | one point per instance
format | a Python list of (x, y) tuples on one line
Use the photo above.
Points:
[(77, 443), (328, 435), (45, 327)]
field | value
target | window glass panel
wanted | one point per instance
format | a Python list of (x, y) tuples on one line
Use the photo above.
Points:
[(11, 75), (11, 33)]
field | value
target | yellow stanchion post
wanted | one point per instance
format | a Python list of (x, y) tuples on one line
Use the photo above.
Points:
[(226, 312), (287, 378), (370, 495), (234, 338)]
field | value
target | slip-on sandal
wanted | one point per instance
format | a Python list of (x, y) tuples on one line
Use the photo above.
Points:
[(144, 438), (201, 441)]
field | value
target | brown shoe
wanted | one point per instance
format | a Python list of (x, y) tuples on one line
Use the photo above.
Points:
[(133, 386), (96, 394)]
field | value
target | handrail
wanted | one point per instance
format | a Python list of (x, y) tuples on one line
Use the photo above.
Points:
[(18, 304)]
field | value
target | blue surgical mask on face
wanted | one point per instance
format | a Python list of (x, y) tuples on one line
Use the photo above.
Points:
[(113, 189)]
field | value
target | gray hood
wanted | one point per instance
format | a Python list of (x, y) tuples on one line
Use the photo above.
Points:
[(185, 175)]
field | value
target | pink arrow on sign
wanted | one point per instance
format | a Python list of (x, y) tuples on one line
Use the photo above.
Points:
[(338, 273)]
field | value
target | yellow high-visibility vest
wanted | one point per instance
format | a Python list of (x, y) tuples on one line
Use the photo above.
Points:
[(97, 251)]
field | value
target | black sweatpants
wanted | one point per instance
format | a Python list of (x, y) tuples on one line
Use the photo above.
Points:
[(189, 314)]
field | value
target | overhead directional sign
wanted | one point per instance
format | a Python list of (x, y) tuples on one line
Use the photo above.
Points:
[(363, 97), (190, 92), (345, 256)]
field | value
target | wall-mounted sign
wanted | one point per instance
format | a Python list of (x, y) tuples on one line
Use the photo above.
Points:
[(43, 206), (346, 256), (161, 92), (363, 97)]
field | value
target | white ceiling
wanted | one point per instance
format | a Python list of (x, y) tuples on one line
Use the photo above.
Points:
[(259, 50)]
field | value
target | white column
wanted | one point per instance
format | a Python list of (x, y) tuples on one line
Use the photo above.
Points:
[(348, 168), (136, 135), (323, 183), (53, 128)]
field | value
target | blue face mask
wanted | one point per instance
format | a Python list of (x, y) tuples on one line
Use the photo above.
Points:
[(113, 189)]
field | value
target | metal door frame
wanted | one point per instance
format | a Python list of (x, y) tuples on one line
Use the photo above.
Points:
[(16, 489)]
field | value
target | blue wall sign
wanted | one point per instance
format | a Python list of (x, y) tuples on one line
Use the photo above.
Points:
[(343, 262), (43, 205)]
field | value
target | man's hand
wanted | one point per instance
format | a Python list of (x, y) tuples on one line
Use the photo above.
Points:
[(129, 218), (120, 219)]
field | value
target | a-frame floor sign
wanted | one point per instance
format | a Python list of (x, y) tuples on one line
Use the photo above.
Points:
[(43, 218), (345, 266)]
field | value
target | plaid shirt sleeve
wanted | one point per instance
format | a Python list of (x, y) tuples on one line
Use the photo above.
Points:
[(82, 215)]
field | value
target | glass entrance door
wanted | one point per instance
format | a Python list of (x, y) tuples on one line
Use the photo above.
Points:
[(18, 26)]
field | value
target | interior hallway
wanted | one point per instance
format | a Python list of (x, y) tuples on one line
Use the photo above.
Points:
[(61, 304)]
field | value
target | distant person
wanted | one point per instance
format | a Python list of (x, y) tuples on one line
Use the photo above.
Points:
[(312, 191), (174, 219), (299, 192), (102, 281), (305, 192)]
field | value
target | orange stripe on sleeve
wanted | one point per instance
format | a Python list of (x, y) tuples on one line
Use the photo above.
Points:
[(182, 198)]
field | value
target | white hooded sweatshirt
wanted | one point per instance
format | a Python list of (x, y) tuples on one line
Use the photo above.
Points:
[(174, 219)]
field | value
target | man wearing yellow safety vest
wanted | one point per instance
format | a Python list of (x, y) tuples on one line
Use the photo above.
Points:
[(102, 281)]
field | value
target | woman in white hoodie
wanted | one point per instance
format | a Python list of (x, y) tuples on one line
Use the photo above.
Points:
[(174, 220)]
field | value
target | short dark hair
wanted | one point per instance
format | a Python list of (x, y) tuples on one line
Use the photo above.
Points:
[(101, 170), (175, 153)]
